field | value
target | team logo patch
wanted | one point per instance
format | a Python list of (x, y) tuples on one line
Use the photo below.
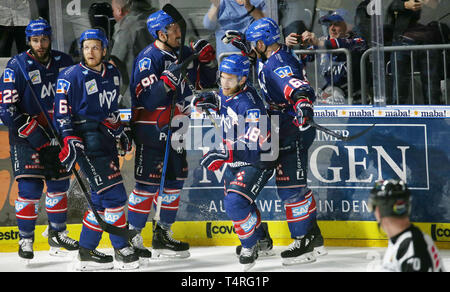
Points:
[(9, 76), (116, 81), (284, 72), (62, 86), (91, 87), (145, 64), (252, 116), (35, 76)]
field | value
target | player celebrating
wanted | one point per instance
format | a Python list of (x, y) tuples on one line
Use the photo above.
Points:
[(156, 78), (289, 96), (239, 105), (87, 117), (409, 249), (34, 157)]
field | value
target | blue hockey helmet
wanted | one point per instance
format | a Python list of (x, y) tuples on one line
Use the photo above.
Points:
[(158, 21), (94, 34), (235, 64), (265, 29), (38, 27)]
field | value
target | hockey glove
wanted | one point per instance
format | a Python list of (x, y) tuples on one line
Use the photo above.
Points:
[(72, 148), (304, 110), (124, 142), (205, 51), (172, 76), (49, 158), (214, 159), (34, 133), (206, 101), (237, 39)]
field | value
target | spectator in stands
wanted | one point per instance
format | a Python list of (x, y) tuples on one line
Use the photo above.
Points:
[(334, 66), (14, 17), (231, 15), (130, 37), (403, 18)]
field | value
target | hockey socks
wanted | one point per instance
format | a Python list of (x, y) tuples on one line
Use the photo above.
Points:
[(140, 204)]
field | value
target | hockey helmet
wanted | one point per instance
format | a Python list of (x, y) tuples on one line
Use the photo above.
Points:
[(158, 21), (235, 64), (265, 29), (94, 34), (38, 27), (392, 197)]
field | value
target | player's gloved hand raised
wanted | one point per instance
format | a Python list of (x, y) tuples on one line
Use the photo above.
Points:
[(237, 39), (33, 132), (172, 76), (73, 147), (304, 110), (204, 49), (206, 101), (214, 159)]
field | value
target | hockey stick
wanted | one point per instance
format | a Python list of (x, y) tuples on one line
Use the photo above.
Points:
[(123, 232), (336, 135), (177, 17)]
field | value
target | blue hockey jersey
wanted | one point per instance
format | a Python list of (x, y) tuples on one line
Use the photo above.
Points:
[(149, 100), (15, 95), (83, 93), (242, 116), (280, 77)]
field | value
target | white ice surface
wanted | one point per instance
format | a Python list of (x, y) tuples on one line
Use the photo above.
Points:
[(219, 259)]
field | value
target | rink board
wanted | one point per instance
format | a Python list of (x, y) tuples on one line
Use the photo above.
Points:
[(221, 233), (407, 142)]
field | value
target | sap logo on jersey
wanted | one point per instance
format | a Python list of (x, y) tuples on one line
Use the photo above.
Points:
[(145, 64)]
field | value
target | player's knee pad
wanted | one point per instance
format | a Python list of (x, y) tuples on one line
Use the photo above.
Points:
[(245, 216), (170, 200), (300, 211)]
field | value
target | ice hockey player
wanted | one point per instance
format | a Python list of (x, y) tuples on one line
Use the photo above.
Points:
[(409, 249), (156, 78), (241, 111), (34, 157), (289, 96), (87, 118)]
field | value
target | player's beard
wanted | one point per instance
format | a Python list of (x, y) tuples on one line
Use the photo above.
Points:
[(43, 55)]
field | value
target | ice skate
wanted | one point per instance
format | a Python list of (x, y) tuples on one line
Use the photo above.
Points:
[(317, 241), (26, 250), (265, 248), (300, 251), (248, 257), (137, 242), (93, 260), (60, 243), (164, 245), (126, 258)]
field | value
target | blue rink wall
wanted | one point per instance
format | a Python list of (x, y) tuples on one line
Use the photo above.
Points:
[(408, 142)]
